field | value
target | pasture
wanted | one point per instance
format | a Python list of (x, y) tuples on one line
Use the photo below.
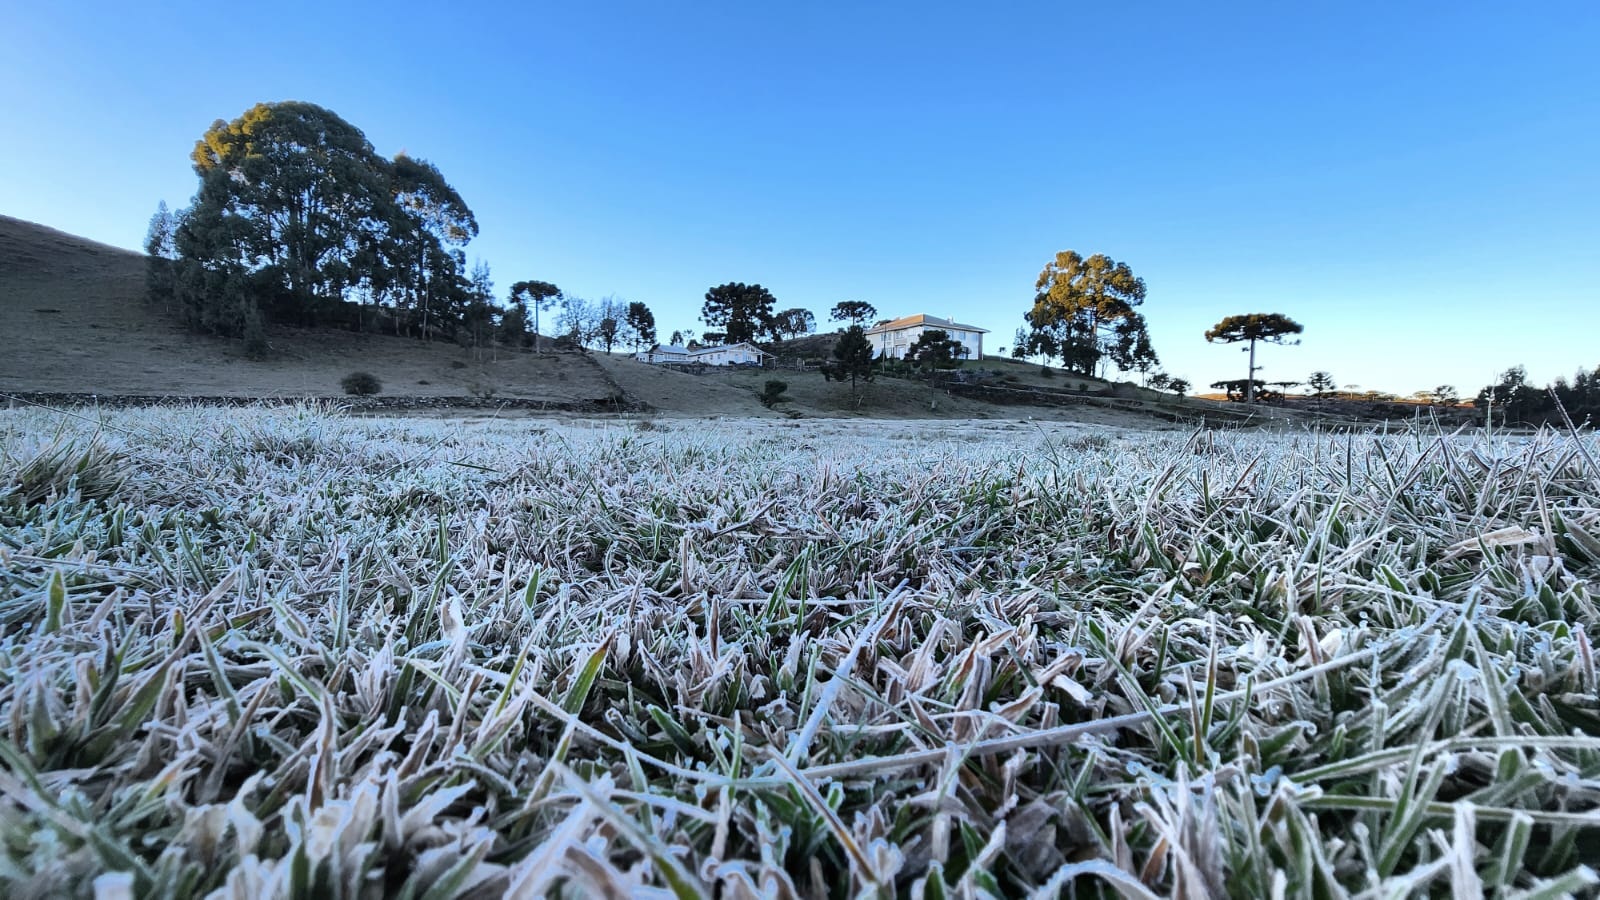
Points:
[(289, 653)]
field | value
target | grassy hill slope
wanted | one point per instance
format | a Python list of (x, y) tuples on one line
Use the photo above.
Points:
[(81, 325)]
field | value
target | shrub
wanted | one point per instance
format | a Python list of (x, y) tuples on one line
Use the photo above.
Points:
[(1044, 372), (457, 364), (255, 336), (361, 384), (772, 392)]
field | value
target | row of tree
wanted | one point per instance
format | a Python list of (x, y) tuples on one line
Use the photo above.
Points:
[(578, 322), (1086, 314), (738, 312), (1514, 400)]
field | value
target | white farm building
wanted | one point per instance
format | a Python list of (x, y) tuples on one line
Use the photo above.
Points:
[(740, 354), (894, 337)]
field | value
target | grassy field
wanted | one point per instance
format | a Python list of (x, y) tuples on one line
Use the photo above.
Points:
[(285, 653)]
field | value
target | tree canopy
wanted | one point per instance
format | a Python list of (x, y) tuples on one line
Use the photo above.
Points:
[(852, 359), (579, 320), (856, 312), (1083, 311), (422, 255), (793, 323), (640, 325), (739, 311), (608, 331), (1515, 400), (479, 317), (1130, 347), (1242, 390), (298, 218), (160, 243), (935, 350), (1272, 328), (537, 296)]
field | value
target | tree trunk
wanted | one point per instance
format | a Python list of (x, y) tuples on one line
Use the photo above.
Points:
[(1250, 383)]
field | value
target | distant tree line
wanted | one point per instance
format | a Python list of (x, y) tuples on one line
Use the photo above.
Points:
[(739, 312), (298, 220), (1513, 400)]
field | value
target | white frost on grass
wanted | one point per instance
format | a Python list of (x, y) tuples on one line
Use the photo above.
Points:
[(284, 652)]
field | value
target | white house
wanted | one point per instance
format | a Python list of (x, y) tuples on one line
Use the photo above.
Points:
[(895, 336), (663, 353), (743, 353)]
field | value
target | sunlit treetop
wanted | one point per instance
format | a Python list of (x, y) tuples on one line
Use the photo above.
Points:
[(1271, 327)]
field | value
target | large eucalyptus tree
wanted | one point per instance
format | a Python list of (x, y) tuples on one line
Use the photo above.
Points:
[(297, 213)]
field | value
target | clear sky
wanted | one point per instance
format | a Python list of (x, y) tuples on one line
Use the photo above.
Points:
[(1416, 183)]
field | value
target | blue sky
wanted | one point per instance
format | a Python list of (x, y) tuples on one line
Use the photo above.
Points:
[(1418, 184)]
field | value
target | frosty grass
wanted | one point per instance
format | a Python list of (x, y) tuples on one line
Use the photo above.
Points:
[(287, 653)]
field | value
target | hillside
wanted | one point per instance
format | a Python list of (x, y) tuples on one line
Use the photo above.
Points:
[(82, 326), (734, 392)]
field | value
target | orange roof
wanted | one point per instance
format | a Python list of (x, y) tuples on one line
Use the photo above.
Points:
[(924, 320)]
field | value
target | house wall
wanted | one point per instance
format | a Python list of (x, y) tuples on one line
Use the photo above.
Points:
[(896, 343), (717, 356), (650, 356), (728, 356)]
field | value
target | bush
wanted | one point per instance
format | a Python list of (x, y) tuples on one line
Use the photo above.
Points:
[(255, 334), (1044, 372), (772, 392), (361, 384)]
